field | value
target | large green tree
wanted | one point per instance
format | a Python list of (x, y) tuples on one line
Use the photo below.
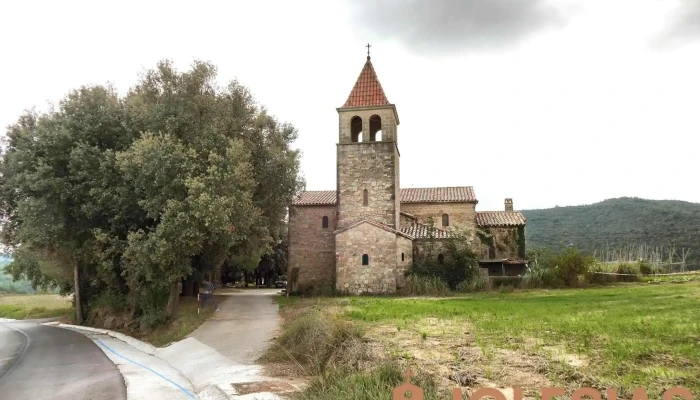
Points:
[(124, 197)]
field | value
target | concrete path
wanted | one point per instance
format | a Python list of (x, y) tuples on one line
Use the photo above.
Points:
[(244, 325), (52, 363)]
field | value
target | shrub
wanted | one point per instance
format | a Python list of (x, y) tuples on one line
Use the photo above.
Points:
[(376, 383), (479, 284), (645, 268), (570, 264), (506, 282), (317, 341), (424, 286), (595, 277), (540, 276), (631, 272)]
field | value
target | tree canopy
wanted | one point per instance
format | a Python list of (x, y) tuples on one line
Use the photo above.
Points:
[(132, 194)]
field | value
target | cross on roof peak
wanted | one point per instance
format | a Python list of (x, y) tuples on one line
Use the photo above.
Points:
[(368, 46)]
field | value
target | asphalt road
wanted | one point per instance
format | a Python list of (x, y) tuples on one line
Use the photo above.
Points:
[(45, 362)]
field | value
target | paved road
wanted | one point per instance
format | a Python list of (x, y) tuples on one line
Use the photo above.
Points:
[(242, 328), (44, 362)]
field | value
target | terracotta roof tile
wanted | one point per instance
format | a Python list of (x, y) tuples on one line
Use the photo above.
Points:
[(316, 198), (438, 195), (420, 231), (367, 90), (464, 194), (500, 218)]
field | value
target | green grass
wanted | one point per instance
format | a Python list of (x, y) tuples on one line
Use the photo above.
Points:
[(634, 336), (31, 306), (184, 323)]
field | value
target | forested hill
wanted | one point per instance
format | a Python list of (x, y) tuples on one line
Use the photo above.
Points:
[(617, 222)]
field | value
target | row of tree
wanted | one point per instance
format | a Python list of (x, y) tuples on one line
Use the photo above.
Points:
[(124, 197)]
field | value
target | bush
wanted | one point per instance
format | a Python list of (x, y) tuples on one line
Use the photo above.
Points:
[(424, 286), (479, 284), (631, 272), (596, 278), (645, 268), (542, 277), (570, 264), (506, 282), (376, 383), (317, 341)]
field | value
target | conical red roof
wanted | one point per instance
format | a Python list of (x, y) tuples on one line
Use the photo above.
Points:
[(367, 90)]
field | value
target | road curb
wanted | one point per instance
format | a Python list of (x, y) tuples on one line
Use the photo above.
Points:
[(137, 344)]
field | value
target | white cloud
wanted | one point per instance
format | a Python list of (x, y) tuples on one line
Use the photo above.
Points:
[(569, 116)]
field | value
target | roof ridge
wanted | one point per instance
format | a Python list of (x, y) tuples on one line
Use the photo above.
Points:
[(367, 90), (374, 223)]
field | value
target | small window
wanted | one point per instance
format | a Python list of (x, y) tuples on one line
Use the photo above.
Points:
[(401, 256), (365, 259), (445, 220), (441, 258), (325, 222), (365, 198), (492, 251)]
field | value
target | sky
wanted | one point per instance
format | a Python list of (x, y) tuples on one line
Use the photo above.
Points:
[(551, 103)]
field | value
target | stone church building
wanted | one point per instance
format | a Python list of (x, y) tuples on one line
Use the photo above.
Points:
[(362, 236)]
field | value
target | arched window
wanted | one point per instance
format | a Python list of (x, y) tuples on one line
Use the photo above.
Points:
[(365, 198), (445, 220), (375, 128), (365, 259), (356, 129), (401, 256), (441, 258), (324, 224)]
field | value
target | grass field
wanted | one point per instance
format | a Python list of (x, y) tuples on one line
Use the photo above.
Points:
[(29, 306), (625, 337), (186, 321)]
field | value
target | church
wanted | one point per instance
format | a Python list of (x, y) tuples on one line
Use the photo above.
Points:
[(362, 236)]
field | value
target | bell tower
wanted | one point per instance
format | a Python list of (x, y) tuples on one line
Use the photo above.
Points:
[(368, 154)]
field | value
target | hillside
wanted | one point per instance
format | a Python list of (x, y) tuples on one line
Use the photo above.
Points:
[(6, 283), (617, 222)]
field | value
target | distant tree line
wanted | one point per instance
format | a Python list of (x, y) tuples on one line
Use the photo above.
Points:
[(617, 223), (121, 199)]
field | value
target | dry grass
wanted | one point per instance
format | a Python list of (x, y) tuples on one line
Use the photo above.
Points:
[(28, 306)]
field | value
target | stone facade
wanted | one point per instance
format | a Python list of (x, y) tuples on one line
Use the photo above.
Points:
[(367, 167), (459, 214), (506, 243), (375, 229), (379, 246), (312, 261)]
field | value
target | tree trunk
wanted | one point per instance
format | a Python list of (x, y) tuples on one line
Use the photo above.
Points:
[(173, 299), (76, 293)]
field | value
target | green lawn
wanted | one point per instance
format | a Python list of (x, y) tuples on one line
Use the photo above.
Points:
[(28, 306), (633, 336)]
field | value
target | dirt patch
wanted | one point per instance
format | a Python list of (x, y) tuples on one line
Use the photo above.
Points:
[(260, 387), (448, 351)]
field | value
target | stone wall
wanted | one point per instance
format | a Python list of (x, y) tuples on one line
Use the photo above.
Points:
[(505, 242), (373, 167), (311, 247), (461, 214), (404, 258), (388, 118), (405, 220), (380, 245)]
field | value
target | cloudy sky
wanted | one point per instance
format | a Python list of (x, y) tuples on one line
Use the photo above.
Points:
[(552, 103)]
